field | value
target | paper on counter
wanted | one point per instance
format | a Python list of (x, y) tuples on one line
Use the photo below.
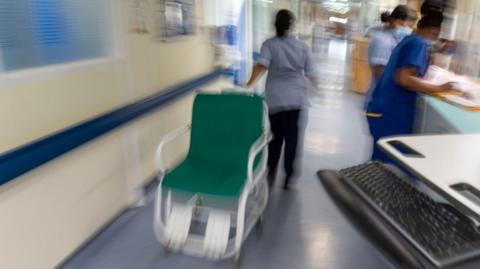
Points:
[(438, 76)]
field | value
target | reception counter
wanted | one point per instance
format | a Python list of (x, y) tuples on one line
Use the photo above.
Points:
[(436, 116)]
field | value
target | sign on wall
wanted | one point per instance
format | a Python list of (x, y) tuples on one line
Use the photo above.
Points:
[(139, 16), (176, 19)]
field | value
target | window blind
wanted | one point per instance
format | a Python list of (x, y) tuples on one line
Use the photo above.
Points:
[(35, 33)]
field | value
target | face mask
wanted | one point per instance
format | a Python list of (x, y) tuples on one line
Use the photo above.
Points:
[(401, 32)]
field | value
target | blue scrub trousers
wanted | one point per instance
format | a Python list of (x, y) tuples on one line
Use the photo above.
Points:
[(384, 126)]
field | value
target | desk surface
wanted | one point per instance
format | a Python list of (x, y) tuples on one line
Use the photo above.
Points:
[(448, 160)]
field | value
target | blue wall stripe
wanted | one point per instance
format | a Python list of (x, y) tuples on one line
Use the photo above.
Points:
[(25, 158)]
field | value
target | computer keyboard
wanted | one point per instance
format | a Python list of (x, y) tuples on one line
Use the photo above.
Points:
[(437, 230)]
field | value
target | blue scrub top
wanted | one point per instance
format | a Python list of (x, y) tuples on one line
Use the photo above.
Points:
[(388, 97)]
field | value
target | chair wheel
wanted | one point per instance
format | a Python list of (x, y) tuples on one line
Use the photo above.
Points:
[(166, 250), (237, 260), (259, 225)]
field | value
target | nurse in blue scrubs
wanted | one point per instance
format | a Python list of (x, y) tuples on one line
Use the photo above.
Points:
[(391, 109)]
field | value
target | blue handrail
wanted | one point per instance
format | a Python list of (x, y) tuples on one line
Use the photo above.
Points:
[(27, 157)]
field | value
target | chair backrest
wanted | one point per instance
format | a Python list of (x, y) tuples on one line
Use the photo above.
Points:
[(224, 127)]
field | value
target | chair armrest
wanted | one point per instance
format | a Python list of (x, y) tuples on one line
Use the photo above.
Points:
[(159, 164), (256, 148)]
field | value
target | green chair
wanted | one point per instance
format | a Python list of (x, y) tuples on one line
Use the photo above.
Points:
[(221, 182)]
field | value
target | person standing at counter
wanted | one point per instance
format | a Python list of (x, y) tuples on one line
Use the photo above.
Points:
[(400, 24), (391, 109), (288, 61)]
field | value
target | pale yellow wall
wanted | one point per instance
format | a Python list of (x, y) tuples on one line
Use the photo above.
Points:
[(34, 107), (51, 211), (157, 65)]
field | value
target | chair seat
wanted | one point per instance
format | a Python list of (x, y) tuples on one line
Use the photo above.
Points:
[(224, 128), (207, 179)]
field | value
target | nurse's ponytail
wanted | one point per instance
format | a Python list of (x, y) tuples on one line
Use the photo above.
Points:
[(283, 22)]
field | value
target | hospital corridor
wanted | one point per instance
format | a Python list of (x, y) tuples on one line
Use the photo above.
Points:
[(269, 134), (302, 228)]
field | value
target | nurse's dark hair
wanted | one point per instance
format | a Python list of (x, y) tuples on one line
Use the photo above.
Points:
[(400, 12), (432, 14), (283, 22), (432, 20), (385, 16)]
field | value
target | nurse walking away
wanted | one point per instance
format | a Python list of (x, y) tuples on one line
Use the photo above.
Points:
[(288, 61), (391, 109)]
